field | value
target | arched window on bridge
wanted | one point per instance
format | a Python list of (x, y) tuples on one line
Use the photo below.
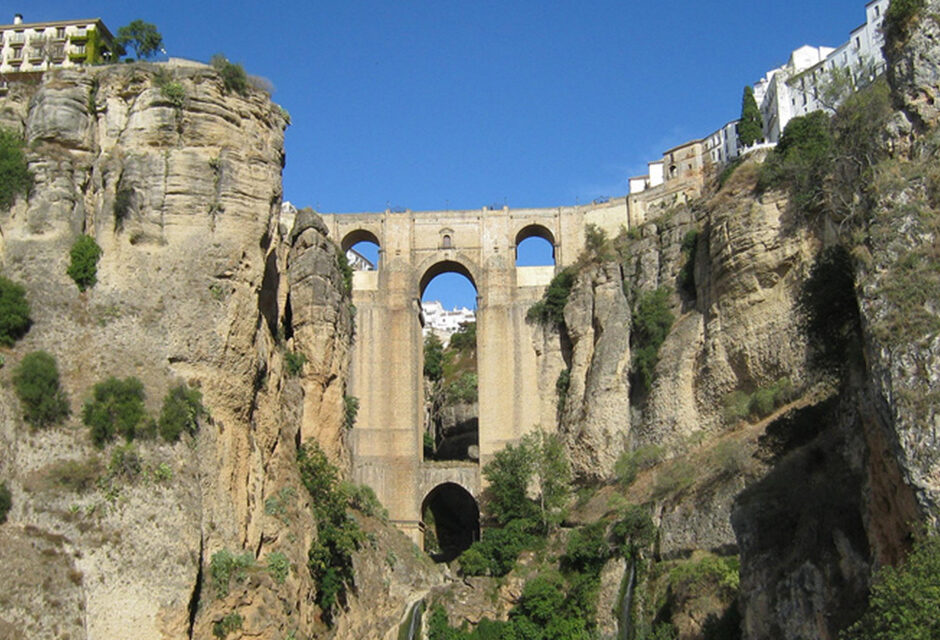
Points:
[(535, 247), (448, 308), (362, 250), (451, 521)]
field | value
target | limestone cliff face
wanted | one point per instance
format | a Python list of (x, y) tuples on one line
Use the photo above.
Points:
[(183, 198)]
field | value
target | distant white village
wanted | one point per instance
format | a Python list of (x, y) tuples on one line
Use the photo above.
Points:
[(795, 89)]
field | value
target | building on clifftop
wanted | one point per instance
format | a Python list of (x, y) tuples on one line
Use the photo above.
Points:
[(34, 47)]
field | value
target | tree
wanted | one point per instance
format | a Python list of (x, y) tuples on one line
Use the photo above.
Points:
[(904, 600), (36, 380), (14, 312), (552, 476), (182, 408), (140, 36), (15, 177), (751, 127), (117, 406), (433, 358), (509, 473), (83, 268)]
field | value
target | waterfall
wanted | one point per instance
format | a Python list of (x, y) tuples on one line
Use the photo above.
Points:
[(626, 602), (411, 627)]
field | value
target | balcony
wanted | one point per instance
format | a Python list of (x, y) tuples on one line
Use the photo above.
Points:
[(79, 36), (17, 38), (16, 56), (36, 55), (57, 52), (37, 40)]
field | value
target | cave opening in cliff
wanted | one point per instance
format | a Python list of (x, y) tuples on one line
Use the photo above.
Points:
[(535, 247), (451, 520), (449, 363)]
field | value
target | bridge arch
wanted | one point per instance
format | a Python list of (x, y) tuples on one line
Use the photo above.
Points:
[(435, 266), (455, 519), (356, 236), (538, 232)]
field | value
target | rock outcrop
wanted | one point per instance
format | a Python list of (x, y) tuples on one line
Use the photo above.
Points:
[(197, 283)]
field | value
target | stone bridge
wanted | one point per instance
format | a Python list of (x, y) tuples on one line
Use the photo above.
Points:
[(386, 373)]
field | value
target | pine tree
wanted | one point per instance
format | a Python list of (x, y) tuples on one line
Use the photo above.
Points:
[(751, 127)]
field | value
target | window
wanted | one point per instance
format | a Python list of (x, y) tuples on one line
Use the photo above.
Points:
[(877, 11), (858, 42), (60, 32), (446, 242)]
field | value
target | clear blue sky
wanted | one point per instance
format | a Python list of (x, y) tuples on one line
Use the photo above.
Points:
[(432, 104)]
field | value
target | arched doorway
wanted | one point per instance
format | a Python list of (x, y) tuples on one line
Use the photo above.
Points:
[(451, 520), (450, 394)]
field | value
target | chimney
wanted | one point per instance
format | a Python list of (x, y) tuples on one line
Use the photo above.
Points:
[(17, 18)]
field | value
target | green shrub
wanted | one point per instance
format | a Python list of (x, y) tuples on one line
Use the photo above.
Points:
[(674, 478), (899, 18), (689, 251), (904, 600), (224, 566), (229, 624), (829, 307), (462, 390), (182, 408), (597, 247), (278, 566), (233, 75), (338, 536), (433, 358), (635, 530), (75, 475), (632, 462), (295, 363), (14, 312), (586, 550), (561, 387), (174, 93), (350, 411), (123, 205), (710, 570), (652, 320), (116, 407), (362, 498), (125, 462), (801, 161), (465, 338), (550, 310), (6, 502), (345, 271), (730, 457), (83, 268), (36, 381), (15, 176), (495, 554)]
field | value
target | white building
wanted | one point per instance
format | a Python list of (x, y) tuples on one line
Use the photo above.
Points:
[(444, 322), (795, 88), (721, 147), (30, 47)]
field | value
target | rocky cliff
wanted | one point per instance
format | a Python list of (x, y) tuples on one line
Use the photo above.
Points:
[(178, 181)]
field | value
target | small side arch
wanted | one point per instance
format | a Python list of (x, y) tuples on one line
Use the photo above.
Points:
[(543, 236), (456, 520), (356, 236)]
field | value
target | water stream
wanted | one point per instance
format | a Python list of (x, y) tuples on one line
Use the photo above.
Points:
[(411, 628), (626, 603)]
